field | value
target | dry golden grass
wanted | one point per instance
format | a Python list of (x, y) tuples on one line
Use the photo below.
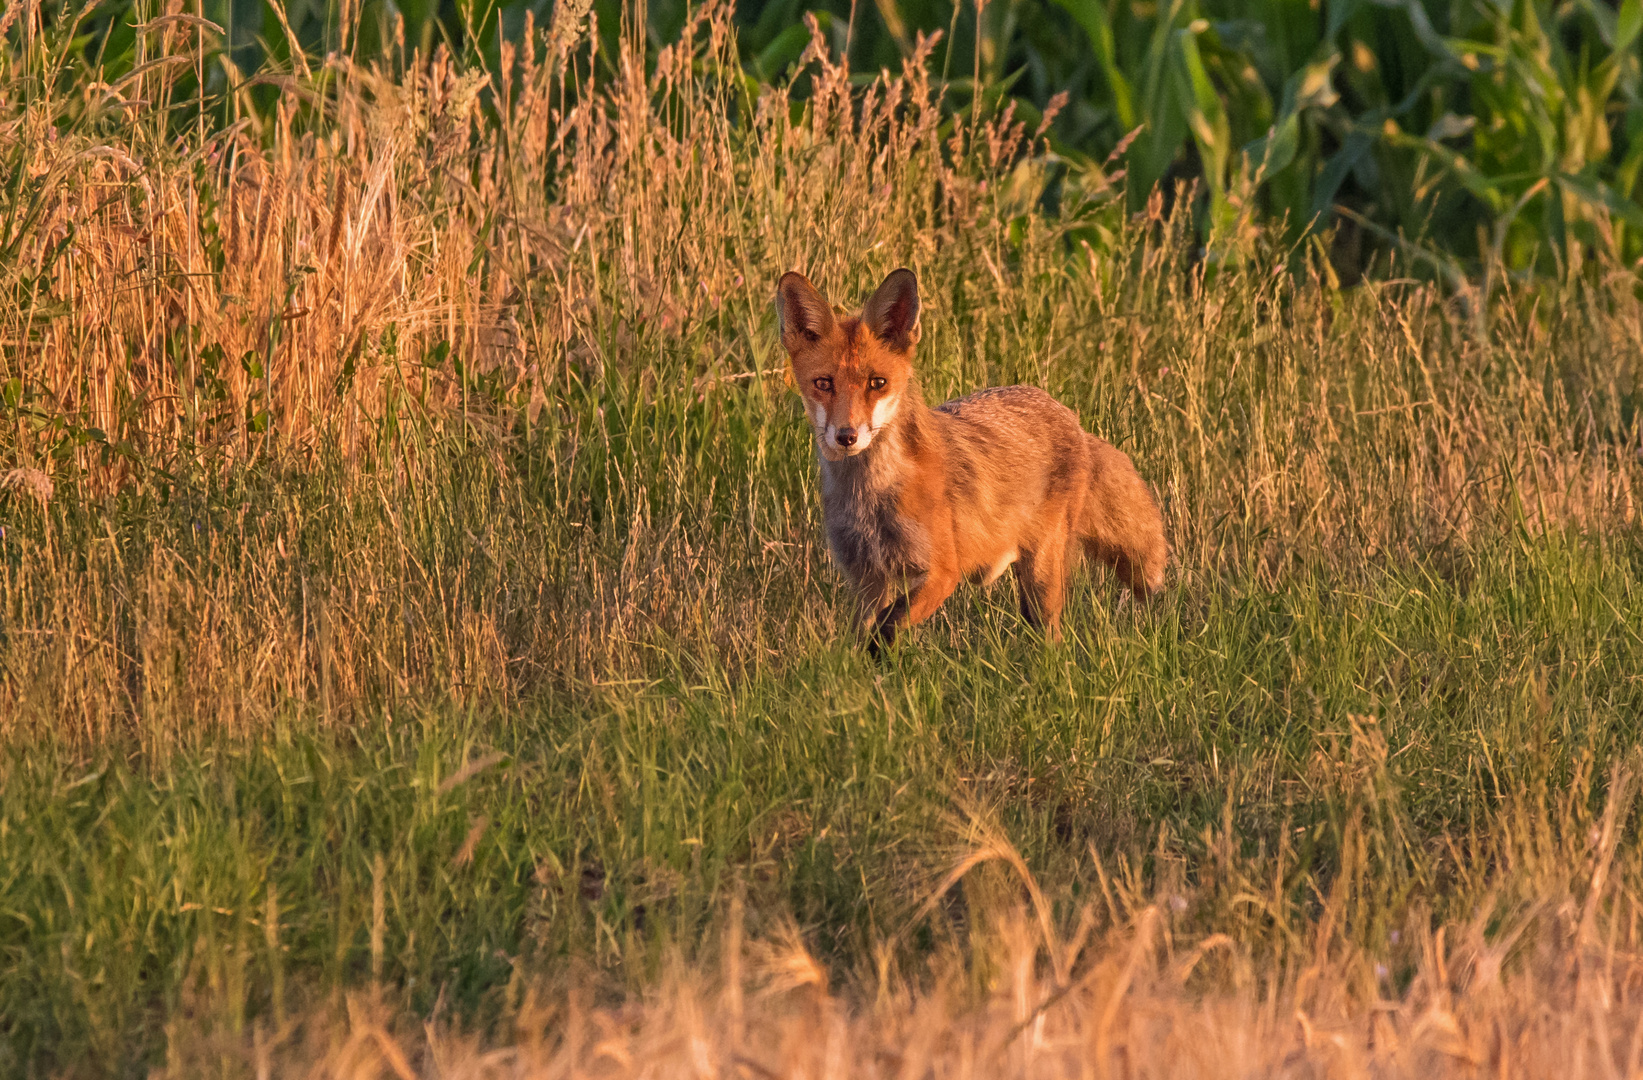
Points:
[(333, 252), (1129, 1016)]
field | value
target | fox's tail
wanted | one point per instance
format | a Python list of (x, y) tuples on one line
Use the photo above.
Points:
[(1121, 525)]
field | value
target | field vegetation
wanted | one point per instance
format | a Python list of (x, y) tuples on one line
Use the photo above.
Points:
[(1466, 135), (418, 655)]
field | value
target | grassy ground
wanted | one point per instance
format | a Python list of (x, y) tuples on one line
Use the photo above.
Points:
[(447, 634)]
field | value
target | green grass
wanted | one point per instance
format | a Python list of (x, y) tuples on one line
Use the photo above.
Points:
[(232, 878)]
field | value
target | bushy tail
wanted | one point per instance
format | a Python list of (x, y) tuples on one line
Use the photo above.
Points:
[(1121, 524)]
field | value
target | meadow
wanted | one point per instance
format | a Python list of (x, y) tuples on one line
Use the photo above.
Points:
[(419, 656)]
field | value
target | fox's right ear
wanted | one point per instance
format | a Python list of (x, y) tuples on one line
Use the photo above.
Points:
[(892, 311), (802, 313)]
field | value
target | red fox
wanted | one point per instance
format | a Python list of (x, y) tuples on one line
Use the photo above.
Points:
[(916, 499)]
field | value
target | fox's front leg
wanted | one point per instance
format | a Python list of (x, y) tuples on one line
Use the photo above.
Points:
[(927, 588), (913, 607), (880, 625), (875, 602), (930, 594)]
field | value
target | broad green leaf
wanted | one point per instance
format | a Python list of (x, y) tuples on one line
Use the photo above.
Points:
[(1091, 16), (1596, 194), (1483, 187), (1208, 122), (784, 50), (1628, 24), (1339, 14), (1625, 178), (1274, 151), (1310, 87), (1336, 171), (1206, 117), (1421, 23), (891, 14)]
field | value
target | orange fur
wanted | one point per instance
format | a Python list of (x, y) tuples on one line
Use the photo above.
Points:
[(917, 499)]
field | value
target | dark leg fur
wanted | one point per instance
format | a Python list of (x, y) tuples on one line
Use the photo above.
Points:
[(883, 633), (1041, 579)]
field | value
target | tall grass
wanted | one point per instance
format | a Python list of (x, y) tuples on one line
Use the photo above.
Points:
[(555, 330), (412, 589)]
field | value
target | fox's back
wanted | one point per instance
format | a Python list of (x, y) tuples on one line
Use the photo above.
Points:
[(1010, 446), (1005, 403)]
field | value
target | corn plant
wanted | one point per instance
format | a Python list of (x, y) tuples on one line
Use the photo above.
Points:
[(1466, 132)]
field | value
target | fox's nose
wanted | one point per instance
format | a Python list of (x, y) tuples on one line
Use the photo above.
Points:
[(845, 436)]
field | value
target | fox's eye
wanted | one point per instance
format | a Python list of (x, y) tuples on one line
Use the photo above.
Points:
[(824, 384), (877, 382)]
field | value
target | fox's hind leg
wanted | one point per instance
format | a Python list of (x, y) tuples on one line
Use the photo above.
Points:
[(1041, 579), (1042, 570), (1043, 589), (1120, 523)]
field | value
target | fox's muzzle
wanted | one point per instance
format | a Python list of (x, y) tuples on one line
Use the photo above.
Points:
[(845, 441)]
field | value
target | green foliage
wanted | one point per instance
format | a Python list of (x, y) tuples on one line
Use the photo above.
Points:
[(1476, 133), (1484, 133)]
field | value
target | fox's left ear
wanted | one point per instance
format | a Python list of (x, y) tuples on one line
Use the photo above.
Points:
[(802, 313), (892, 311)]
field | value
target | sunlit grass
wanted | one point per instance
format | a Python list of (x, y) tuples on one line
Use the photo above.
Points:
[(472, 643)]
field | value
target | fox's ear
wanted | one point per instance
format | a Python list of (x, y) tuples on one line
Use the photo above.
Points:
[(801, 311), (892, 312)]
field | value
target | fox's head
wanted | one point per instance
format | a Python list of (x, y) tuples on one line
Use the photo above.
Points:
[(852, 372)]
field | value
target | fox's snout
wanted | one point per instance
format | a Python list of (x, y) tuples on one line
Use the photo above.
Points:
[(839, 433), (847, 439), (844, 440), (851, 423)]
